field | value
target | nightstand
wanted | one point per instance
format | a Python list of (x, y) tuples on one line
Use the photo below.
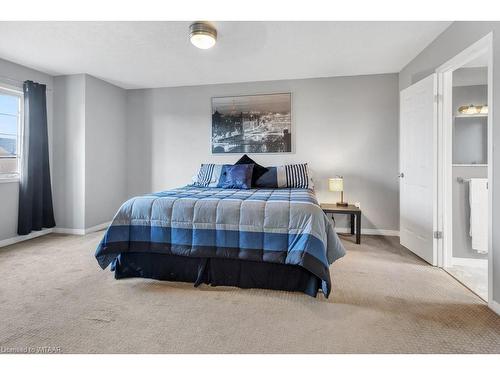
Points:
[(353, 211)]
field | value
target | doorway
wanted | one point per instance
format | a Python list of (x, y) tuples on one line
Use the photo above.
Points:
[(464, 164)]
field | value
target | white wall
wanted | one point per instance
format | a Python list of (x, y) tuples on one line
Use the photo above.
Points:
[(109, 143), (344, 125), (139, 117), (469, 143), (90, 146), (452, 41), (68, 169), (105, 151), (470, 76), (14, 75), (470, 134)]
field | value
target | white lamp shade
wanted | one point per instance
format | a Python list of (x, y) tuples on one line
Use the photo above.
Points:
[(336, 184)]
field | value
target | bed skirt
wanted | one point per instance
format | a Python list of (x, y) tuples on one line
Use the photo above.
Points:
[(216, 272)]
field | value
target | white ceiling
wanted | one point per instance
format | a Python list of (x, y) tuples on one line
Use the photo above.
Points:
[(159, 54)]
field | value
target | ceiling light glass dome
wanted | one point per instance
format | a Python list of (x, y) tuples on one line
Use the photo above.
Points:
[(202, 35)]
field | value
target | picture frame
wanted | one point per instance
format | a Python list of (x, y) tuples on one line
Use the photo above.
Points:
[(260, 123)]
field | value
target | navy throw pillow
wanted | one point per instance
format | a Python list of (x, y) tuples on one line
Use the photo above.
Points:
[(268, 180), (236, 176), (258, 170)]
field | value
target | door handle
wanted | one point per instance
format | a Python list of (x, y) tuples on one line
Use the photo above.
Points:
[(401, 175)]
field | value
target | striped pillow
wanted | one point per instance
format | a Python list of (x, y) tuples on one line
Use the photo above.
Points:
[(296, 176), (204, 175)]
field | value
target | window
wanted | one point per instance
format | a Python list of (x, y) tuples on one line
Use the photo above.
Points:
[(11, 119)]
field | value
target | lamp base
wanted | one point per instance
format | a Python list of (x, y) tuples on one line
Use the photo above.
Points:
[(342, 204)]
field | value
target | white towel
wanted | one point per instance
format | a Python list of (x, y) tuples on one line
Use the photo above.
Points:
[(478, 199)]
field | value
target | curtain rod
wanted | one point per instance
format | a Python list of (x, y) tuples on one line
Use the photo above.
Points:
[(2, 78)]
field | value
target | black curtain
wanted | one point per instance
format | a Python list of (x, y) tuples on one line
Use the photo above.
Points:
[(35, 194)]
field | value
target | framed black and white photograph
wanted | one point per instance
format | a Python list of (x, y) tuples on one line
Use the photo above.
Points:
[(252, 124)]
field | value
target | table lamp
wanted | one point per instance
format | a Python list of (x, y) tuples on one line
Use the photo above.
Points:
[(337, 184)]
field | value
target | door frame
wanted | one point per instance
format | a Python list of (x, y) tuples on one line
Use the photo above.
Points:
[(445, 157)]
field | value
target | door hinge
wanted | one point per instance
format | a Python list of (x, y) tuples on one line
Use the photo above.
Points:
[(438, 235)]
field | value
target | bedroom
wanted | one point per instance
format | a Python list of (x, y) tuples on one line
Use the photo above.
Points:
[(239, 179)]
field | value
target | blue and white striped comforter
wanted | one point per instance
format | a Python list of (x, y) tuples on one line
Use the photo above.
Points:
[(270, 225)]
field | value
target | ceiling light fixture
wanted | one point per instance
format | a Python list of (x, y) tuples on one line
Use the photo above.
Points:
[(473, 109), (202, 35)]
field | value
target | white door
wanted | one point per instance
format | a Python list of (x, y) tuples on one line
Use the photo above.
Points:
[(418, 121)]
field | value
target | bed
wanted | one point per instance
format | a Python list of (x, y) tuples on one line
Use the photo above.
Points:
[(249, 238)]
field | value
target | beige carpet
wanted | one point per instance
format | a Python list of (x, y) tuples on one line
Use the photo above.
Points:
[(384, 300)]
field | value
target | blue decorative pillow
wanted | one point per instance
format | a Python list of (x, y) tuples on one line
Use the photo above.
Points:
[(286, 176), (269, 179), (258, 170), (236, 176)]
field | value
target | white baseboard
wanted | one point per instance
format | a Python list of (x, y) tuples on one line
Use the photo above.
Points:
[(97, 228), (77, 232), (34, 234), (373, 232), (495, 306), (471, 262), (82, 232)]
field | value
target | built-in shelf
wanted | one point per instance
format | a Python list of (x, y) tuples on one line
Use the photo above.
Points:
[(469, 165), (472, 116)]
